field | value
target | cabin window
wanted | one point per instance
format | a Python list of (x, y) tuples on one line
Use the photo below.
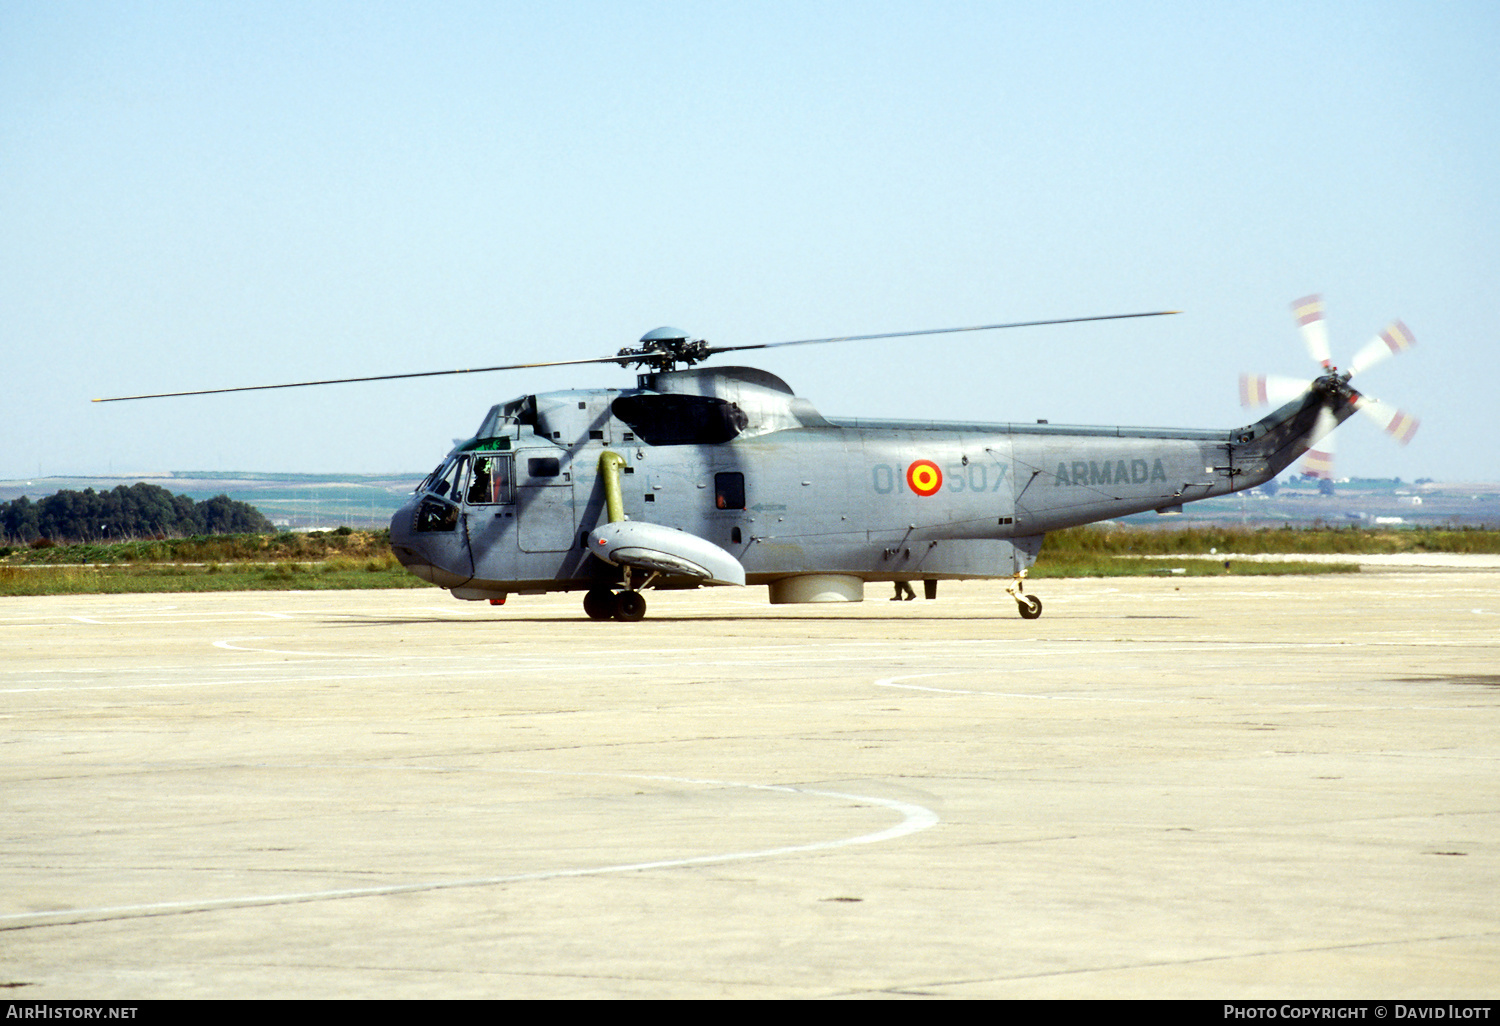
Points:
[(729, 490), (544, 466)]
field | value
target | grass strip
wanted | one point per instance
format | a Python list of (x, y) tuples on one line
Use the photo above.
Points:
[(351, 559)]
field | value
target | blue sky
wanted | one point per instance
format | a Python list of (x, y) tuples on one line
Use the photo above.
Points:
[(199, 195)]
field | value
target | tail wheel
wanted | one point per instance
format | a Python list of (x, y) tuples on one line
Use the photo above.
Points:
[(630, 606), (1030, 607)]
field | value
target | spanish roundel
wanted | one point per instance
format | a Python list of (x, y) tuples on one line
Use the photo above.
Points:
[(924, 477)]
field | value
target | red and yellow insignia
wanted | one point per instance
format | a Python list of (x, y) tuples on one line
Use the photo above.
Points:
[(924, 477)]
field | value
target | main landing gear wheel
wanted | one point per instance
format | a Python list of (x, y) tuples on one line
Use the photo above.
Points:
[(599, 604), (630, 606)]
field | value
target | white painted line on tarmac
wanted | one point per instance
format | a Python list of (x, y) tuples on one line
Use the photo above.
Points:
[(400, 674), (229, 645), (795, 659), (892, 682), (914, 818), (230, 682), (146, 619)]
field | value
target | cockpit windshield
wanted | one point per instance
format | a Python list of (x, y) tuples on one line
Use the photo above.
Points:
[(478, 479), (447, 479), (427, 481)]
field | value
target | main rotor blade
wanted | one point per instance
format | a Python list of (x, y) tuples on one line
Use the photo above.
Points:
[(375, 377), (938, 331), (622, 360)]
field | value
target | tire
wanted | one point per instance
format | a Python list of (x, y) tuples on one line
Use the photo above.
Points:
[(1030, 606), (630, 606), (599, 604)]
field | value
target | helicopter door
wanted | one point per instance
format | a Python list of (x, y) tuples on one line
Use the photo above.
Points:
[(544, 501)]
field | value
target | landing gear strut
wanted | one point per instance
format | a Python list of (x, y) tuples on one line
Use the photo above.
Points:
[(1029, 606)]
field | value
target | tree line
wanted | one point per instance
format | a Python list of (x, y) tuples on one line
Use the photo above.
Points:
[(138, 511)]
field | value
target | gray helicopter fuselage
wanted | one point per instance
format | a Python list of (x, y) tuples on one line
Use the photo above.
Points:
[(733, 457)]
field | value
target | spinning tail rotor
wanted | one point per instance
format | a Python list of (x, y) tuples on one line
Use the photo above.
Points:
[(1261, 390)]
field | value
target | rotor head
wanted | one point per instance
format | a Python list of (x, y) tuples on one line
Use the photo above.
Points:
[(662, 349)]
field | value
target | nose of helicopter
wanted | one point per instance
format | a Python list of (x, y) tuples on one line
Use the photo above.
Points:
[(403, 541), (408, 548)]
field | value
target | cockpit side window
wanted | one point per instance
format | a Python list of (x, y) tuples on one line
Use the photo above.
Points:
[(491, 481)]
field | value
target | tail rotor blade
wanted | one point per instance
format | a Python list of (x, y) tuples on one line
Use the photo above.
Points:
[(1265, 389), (1309, 313), (1253, 390), (1399, 424), (1318, 464), (1319, 460), (1396, 338)]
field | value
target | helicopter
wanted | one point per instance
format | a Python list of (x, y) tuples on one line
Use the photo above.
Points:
[(724, 476)]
